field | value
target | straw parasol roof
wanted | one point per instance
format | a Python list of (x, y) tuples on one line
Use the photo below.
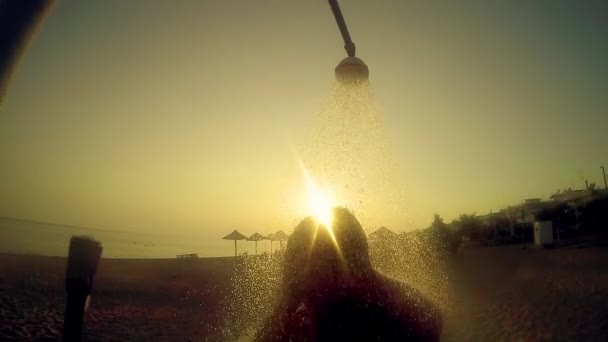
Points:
[(235, 235), (256, 237), (382, 233), (279, 236)]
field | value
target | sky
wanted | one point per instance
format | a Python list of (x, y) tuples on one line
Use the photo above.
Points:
[(180, 116)]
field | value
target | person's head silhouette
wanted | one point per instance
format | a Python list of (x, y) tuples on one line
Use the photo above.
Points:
[(331, 292), (341, 252)]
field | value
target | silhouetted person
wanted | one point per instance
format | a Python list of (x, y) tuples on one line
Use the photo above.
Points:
[(330, 292)]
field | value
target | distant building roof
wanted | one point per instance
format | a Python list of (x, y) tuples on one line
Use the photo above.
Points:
[(569, 195)]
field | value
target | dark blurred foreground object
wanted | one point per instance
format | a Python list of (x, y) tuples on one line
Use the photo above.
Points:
[(331, 292), (19, 20), (82, 264), (351, 69)]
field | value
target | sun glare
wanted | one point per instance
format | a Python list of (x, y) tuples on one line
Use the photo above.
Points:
[(320, 202), (320, 205)]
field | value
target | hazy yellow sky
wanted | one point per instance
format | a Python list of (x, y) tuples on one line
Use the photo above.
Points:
[(181, 115)]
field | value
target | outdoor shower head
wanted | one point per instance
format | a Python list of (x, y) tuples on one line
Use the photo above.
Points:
[(352, 69)]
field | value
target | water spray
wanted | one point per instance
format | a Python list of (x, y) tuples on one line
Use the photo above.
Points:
[(351, 68)]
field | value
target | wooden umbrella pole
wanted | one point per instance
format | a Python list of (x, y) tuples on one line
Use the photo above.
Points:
[(235, 248)]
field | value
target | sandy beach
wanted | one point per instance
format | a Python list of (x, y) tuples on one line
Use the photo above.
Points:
[(500, 293), (521, 293), (133, 300)]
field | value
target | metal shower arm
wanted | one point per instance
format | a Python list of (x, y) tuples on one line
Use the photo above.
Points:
[(349, 46)]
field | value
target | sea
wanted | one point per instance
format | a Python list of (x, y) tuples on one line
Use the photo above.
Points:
[(38, 238)]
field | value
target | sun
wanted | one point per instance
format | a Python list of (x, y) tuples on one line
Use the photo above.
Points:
[(320, 202), (320, 205)]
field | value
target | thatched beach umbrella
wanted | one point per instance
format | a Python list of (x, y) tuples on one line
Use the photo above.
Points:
[(382, 233), (235, 235), (256, 237), (280, 236), (272, 238)]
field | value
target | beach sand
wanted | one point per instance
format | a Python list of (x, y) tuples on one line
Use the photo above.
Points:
[(132, 300), (498, 293), (522, 293)]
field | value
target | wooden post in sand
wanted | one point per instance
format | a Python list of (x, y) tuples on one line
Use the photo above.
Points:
[(82, 264)]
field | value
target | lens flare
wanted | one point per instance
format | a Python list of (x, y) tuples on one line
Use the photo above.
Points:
[(320, 202)]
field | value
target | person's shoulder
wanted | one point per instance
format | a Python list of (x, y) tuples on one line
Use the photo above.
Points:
[(418, 315), (404, 292), (285, 325)]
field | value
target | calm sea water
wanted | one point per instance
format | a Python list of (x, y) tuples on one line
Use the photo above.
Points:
[(25, 237)]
